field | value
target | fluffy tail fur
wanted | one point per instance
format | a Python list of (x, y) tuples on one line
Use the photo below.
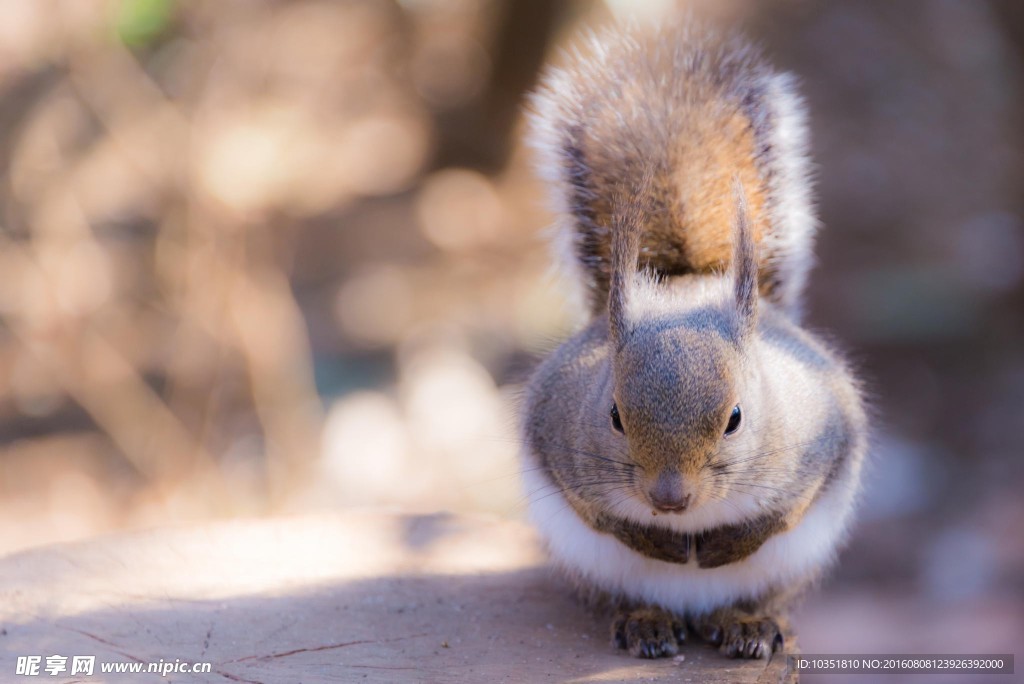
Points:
[(698, 113)]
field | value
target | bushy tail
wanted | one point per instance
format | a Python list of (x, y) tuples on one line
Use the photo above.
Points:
[(697, 112)]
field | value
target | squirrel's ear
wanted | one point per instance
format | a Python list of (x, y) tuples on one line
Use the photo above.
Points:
[(627, 228), (625, 252), (744, 263)]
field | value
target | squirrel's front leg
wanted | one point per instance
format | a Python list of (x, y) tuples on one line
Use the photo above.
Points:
[(739, 633), (648, 632)]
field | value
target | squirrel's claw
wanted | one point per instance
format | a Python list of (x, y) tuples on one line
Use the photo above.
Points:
[(742, 636), (648, 633)]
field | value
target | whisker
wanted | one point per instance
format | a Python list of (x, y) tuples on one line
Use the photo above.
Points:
[(588, 454)]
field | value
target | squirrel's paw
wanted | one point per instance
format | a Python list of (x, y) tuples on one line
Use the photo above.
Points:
[(740, 635), (648, 633)]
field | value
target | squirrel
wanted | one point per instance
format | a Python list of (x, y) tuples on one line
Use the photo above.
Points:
[(693, 454)]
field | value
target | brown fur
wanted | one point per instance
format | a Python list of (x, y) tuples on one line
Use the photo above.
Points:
[(689, 228), (698, 134), (711, 548)]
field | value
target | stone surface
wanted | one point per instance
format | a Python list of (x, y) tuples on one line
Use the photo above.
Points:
[(361, 596)]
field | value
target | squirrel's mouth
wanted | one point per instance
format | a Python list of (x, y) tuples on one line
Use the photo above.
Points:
[(670, 493), (671, 505)]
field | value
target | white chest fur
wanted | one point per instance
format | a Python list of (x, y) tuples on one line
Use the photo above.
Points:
[(783, 561)]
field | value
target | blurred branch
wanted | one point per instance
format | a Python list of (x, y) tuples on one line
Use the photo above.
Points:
[(20, 99), (479, 135), (270, 333), (137, 116), (1010, 15), (103, 382)]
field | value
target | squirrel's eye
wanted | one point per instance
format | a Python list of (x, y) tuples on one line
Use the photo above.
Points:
[(616, 420), (734, 421)]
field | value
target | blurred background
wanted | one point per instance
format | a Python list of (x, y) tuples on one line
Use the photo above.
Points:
[(265, 257)]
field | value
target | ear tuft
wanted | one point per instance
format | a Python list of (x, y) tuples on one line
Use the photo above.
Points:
[(627, 230), (744, 262)]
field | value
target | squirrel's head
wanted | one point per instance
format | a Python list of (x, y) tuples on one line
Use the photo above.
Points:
[(684, 388)]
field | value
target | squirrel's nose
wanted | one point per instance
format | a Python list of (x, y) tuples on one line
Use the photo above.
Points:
[(667, 494)]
